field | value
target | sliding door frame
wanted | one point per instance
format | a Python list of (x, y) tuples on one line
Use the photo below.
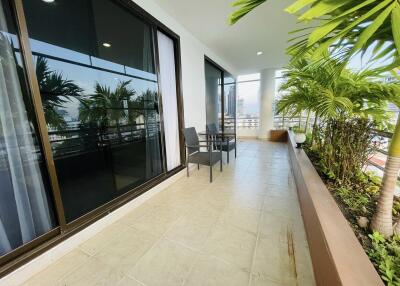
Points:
[(11, 261), (223, 73)]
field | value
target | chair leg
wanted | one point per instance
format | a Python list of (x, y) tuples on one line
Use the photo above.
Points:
[(235, 149), (187, 169), (227, 154), (220, 164), (198, 166), (211, 175)]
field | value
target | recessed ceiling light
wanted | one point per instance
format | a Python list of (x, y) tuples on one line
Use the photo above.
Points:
[(48, 1), (259, 53), (107, 45)]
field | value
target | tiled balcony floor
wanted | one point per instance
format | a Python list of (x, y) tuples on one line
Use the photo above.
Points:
[(243, 229)]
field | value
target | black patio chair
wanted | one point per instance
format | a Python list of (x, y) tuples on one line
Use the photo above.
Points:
[(228, 139), (196, 156)]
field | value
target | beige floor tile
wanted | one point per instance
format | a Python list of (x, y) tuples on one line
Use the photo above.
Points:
[(281, 206), (263, 281), (243, 218), (103, 238), (93, 273), (237, 230), (272, 262), (231, 244), (194, 228), (53, 275), (167, 263), (124, 253), (126, 281), (211, 271), (273, 225), (157, 221)]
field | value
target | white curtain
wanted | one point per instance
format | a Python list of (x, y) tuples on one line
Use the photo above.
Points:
[(169, 100), (24, 215)]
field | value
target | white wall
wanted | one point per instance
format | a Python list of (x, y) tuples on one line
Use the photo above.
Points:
[(192, 57), (267, 95)]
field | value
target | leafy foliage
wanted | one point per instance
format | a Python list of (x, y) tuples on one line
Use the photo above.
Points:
[(330, 92), (385, 254), (106, 107), (343, 147), (345, 27), (356, 201), (55, 91)]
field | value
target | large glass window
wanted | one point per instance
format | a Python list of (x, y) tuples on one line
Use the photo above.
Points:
[(248, 104), (26, 210), (95, 67)]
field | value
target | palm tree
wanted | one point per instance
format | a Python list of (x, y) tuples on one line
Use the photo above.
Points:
[(312, 87), (106, 107), (55, 91), (345, 28)]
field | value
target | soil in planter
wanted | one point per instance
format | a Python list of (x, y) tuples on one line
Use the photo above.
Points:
[(358, 199)]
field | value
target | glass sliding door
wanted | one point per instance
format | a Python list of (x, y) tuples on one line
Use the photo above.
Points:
[(95, 68), (26, 209), (220, 98), (166, 53), (213, 94)]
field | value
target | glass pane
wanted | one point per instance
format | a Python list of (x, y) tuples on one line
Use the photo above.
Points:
[(213, 94), (100, 97), (229, 102), (248, 103), (26, 210)]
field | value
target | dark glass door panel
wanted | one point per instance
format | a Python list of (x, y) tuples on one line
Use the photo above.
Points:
[(26, 208), (99, 91), (213, 94)]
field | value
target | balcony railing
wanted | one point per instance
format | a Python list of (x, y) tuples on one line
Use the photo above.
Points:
[(248, 122)]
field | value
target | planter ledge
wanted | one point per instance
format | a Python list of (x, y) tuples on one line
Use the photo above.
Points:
[(337, 256)]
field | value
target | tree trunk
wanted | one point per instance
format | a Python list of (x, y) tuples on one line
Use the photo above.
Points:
[(382, 220), (307, 120), (300, 118), (314, 128)]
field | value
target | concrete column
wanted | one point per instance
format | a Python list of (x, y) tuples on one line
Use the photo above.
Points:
[(267, 95)]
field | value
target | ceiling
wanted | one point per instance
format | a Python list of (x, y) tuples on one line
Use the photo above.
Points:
[(265, 29)]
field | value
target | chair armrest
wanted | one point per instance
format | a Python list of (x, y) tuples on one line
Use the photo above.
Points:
[(216, 140), (196, 146), (227, 134)]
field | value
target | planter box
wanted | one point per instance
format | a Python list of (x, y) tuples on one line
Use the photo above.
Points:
[(278, 136), (337, 256)]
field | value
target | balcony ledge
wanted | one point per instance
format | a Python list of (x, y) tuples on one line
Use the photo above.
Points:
[(337, 256)]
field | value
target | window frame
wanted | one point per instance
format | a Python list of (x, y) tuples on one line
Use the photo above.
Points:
[(20, 256)]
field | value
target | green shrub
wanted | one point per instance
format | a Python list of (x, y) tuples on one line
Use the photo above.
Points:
[(355, 200), (343, 146), (385, 255)]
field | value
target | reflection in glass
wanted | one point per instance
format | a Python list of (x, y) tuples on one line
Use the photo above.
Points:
[(25, 208), (100, 102), (213, 94)]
